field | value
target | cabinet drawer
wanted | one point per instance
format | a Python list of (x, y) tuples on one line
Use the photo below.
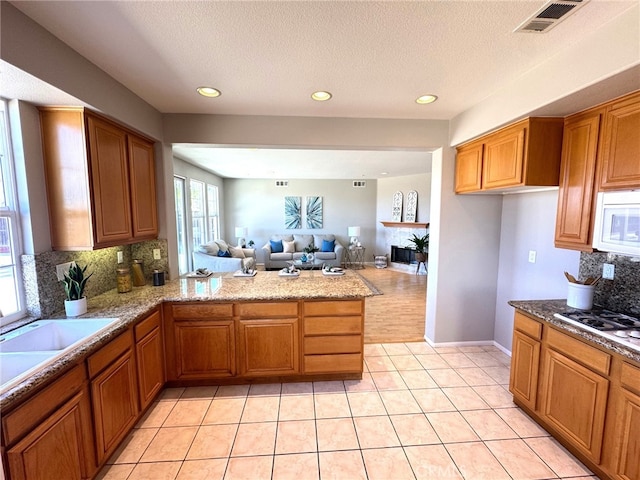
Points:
[(36, 409), (335, 307), (630, 377), (333, 363), (267, 309), (204, 310), (343, 344), (527, 326), (332, 325), (107, 354), (143, 328), (589, 356)]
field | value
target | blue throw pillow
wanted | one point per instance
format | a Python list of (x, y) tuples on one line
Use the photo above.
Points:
[(276, 246), (328, 246), (224, 253)]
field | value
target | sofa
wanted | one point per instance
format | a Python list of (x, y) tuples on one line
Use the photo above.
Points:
[(283, 248), (219, 256)]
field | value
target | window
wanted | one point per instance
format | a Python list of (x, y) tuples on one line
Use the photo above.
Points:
[(213, 214), (12, 299), (181, 224), (198, 213)]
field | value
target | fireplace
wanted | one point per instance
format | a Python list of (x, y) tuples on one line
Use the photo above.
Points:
[(404, 255)]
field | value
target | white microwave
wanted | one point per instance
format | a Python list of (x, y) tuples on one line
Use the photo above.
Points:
[(617, 222)]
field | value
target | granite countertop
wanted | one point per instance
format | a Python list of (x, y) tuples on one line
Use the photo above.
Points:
[(224, 287), (544, 310)]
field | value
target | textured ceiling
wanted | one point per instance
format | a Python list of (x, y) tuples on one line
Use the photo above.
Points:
[(267, 57)]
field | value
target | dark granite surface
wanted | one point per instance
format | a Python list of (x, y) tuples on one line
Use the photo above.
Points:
[(544, 310), (132, 306)]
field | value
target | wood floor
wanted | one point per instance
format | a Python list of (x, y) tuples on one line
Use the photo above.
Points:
[(399, 314)]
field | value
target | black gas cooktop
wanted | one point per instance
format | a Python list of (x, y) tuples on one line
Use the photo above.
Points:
[(603, 320)]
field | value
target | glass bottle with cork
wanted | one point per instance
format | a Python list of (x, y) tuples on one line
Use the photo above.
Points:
[(138, 273)]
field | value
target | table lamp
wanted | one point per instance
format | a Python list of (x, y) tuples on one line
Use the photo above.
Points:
[(241, 232), (354, 233)]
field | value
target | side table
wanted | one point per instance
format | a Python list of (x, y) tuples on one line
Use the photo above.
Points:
[(354, 258)]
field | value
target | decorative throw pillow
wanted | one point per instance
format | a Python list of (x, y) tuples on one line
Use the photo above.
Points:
[(210, 248), (224, 253), (236, 252), (328, 246), (276, 246), (222, 245), (289, 247)]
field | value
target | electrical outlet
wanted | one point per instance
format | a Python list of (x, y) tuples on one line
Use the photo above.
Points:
[(62, 269), (532, 256), (156, 254), (120, 257), (608, 271)]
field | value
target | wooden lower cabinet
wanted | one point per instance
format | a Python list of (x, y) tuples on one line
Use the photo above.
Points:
[(574, 401), (114, 394), (269, 347), (149, 358), (205, 349), (525, 362), (58, 448), (628, 462)]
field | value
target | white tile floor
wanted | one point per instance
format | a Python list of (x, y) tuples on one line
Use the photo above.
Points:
[(417, 413)]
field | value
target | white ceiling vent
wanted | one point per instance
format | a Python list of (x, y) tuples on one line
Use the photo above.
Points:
[(282, 183), (551, 14), (359, 184)]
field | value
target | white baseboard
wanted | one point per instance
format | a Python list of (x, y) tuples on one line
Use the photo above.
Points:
[(483, 343)]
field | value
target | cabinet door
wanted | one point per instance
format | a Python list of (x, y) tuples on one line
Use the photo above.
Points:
[(150, 362), (525, 361), (143, 188), (574, 221), (574, 402), (205, 349), (504, 158), (469, 168), (57, 448), (109, 182), (629, 438), (269, 347), (115, 404), (621, 145)]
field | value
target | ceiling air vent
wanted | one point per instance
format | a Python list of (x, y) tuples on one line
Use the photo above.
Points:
[(549, 16), (359, 184), (282, 183)]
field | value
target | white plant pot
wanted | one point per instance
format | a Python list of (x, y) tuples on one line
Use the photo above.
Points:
[(74, 308)]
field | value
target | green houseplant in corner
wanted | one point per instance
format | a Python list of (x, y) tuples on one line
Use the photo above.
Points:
[(75, 280), (421, 246)]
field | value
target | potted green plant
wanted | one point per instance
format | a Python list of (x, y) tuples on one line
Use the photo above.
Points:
[(421, 246), (75, 281), (310, 250)]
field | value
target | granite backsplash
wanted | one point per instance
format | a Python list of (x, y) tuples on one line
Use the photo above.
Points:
[(622, 294), (45, 294)]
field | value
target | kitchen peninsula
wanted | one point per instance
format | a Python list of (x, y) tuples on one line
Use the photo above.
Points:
[(215, 330)]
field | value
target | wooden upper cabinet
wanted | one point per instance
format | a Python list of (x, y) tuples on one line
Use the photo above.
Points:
[(621, 145), (574, 221), (142, 176), (110, 181), (100, 181), (469, 168), (525, 154)]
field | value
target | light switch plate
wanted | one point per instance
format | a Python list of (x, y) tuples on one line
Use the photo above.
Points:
[(156, 254), (532, 256), (608, 271), (120, 257)]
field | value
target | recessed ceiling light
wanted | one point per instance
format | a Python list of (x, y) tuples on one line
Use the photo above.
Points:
[(424, 99), (321, 96), (384, 173), (209, 92)]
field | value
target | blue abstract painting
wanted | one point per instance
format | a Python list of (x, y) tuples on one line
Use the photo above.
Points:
[(292, 212), (314, 212)]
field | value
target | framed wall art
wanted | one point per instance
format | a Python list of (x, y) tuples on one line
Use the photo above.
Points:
[(292, 212), (314, 212)]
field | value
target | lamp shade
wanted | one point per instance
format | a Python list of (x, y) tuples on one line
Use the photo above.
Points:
[(354, 231), (241, 231)]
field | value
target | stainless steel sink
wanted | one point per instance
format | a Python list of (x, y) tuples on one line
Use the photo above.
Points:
[(32, 347)]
